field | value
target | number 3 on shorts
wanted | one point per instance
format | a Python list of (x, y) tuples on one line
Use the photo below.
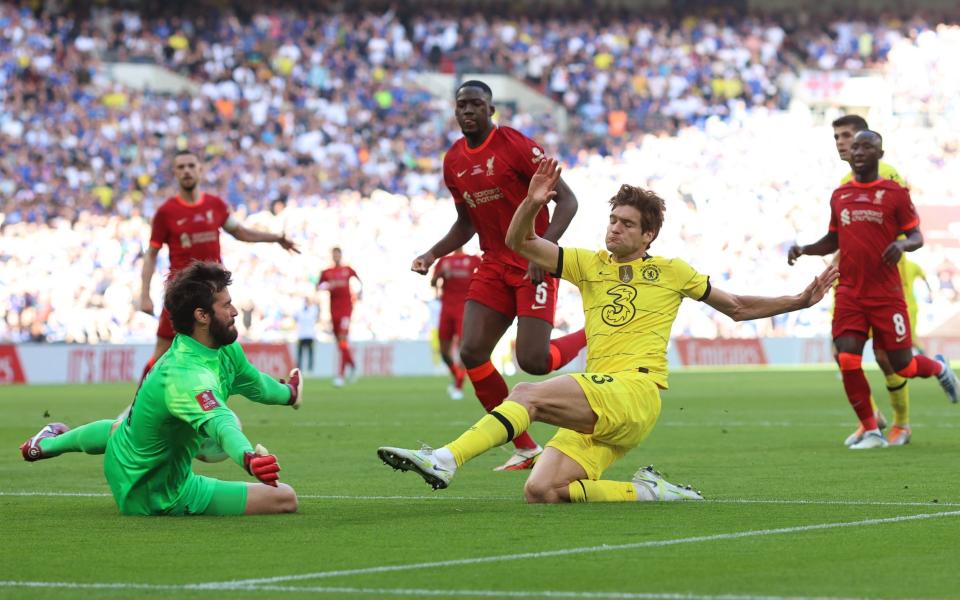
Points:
[(540, 297), (899, 324)]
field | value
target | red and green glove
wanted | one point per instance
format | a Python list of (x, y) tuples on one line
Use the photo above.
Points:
[(262, 465)]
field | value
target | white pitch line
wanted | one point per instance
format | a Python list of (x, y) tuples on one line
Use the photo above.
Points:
[(528, 594), (573, 551), (799, 502), (402, 591)]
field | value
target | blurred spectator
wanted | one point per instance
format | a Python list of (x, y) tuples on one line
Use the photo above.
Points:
[(313, 124)]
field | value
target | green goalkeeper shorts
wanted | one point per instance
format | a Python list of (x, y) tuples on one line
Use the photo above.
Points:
[(208, 496)]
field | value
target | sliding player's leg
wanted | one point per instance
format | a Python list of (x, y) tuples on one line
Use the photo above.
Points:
[(483, 327)]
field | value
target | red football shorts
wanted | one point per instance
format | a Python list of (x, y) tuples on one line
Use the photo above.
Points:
[(504, 289), (887, 317), (165, 326), (341, 323), (451, 322)]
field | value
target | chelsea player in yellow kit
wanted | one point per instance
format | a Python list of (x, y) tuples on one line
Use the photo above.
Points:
[(630, 300)]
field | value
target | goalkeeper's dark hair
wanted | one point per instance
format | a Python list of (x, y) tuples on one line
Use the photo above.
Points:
[(650, 206), (193, 288), (855, 121), (476, 83)]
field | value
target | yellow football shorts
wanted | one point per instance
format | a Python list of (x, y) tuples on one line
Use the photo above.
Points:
[(627, 407)]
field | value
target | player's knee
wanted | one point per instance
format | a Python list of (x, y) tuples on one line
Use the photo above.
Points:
[(539, 491), (526, 395), (535, 364), (286, 499), (473, 357)]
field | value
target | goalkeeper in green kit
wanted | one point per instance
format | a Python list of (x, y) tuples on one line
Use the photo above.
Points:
[(181, 402)]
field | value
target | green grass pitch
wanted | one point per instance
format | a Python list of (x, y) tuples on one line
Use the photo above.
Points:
[(790, 511)]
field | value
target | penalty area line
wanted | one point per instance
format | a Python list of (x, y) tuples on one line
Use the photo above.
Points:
[(575, 551)]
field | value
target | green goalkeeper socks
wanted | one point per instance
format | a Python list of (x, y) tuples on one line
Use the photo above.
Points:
[(90, 438)]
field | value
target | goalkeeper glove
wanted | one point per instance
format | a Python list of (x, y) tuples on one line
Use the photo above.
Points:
[(296, 388), (262, 465)]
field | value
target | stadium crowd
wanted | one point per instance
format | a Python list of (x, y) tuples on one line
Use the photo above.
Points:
[(295, 109)]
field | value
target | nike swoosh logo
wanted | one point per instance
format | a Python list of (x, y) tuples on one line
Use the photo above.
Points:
[(900, 338), (460, 174), (535, 307), (181, 221)]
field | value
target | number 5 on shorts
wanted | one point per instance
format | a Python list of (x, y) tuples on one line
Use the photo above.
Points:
[(540, 297)]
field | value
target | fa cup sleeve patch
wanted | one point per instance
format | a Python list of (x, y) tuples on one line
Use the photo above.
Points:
[(207, 400)]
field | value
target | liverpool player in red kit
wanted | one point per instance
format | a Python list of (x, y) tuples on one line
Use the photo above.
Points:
[(454, 272), (336, 280), (487, 172), (189, 224), (866, 216)]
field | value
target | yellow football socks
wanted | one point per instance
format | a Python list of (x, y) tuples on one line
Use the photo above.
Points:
[(501, 425), (586, 490), (899, 398)]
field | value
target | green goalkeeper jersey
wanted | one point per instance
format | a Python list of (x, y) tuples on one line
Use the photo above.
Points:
[(183, 399)]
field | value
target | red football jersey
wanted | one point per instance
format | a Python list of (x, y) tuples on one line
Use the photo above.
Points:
[(492, 180), (338, 283), (455, 270), (190, 231), (867, 218)]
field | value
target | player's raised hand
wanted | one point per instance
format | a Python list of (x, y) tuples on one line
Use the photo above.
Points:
[(421, 264), (295, 382), (893, 252), (820, 285), (262, 465), (288, 244), (543, 184), (795, 252)]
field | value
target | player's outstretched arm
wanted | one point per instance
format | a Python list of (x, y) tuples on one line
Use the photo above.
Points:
[(460, 233), (745, 308), (146, 274), (245, 234), (828, 244), (261, 388), (521, 237)]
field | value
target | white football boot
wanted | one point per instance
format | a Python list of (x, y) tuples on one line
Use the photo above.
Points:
[(947, 378), (422, 462), (870, 440), (662, 490)]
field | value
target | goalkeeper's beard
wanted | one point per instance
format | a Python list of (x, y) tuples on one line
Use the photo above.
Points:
[(222, 333)]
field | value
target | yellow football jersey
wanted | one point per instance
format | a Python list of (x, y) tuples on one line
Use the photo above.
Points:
[(630, 308), (910, 272), (885, 171)]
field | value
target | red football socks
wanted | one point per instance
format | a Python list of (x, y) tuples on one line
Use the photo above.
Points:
[(921, 366), (564, 349), (491, 391), (857, 388), (346, 357)]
